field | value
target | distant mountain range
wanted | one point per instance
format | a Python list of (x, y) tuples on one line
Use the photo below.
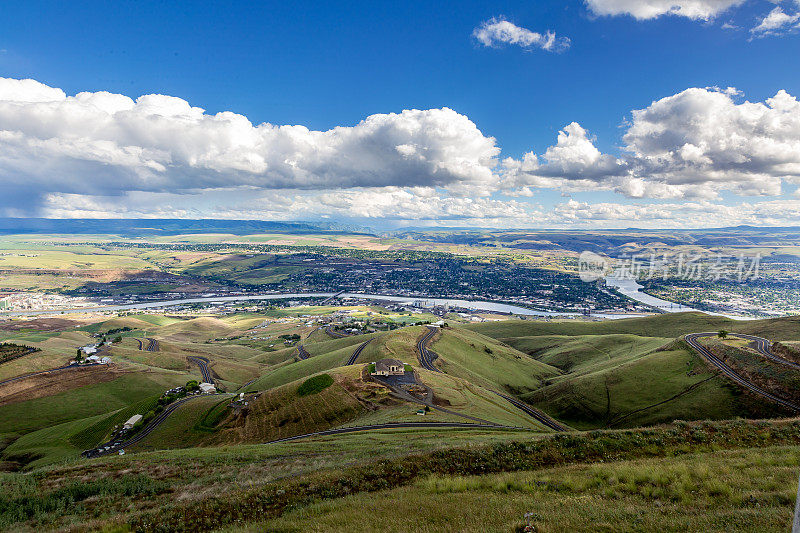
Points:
[(11, 226)]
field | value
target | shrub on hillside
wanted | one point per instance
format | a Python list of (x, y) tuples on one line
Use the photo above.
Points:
[(315, 385)]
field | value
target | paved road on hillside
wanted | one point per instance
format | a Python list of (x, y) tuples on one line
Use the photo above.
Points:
[(152, 345), (693, 340), (147, 430), (535, 413), (302, 353), (141, 346), (356, 353), (764, 347), (396, 425), (51, 371), (202, 363), (426, 357), (334, 334)]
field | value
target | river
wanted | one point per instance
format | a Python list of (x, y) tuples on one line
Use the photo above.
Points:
[(466, 304)]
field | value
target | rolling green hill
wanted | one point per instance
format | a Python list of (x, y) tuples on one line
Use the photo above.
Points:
[(664, 325), (486, 362)]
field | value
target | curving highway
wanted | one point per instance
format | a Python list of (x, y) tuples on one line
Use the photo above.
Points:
[(534, 413), (302, 353), (336, 335), (357, 352), (426, 358), (762, 347), (202, 363), (144, 432)]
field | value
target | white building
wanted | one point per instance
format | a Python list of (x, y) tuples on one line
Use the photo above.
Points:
[(131, 421), (207, 388)]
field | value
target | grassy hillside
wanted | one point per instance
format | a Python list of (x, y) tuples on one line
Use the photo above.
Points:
[(740, 490), (659, 386), (84, 402), (665, 325), (284, 411), (732, 476), (586, 353), (484, 361)]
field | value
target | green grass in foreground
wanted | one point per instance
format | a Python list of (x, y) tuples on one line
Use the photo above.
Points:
[(740, 490), (631, 480)]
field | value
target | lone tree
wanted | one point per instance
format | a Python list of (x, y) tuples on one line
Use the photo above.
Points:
[(722, 334)]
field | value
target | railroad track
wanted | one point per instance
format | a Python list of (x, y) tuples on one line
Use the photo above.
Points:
[(357, 352), (693, 340), (396, 425), (202, 363)]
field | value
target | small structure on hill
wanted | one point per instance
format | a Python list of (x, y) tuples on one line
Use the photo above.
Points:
[(131, 421), (89, 349), (207, 388), (389, 367)]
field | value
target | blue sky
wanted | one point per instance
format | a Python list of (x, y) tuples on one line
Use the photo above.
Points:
[(324, 66)]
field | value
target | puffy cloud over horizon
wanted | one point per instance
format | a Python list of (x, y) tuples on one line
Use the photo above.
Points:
[(650, 9), (106, 155), (497, 31), (693, 144), (104, 143)]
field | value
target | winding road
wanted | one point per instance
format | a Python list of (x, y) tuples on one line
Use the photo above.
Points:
[(334, 334), (357, 352), (426, 358), (762, 347), (202, 363), (144, 432), (152, 345), (302, 353), (535, 413)]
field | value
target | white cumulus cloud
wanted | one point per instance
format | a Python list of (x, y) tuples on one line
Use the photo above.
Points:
[(498, 31), (693, 144), (104, 143), (777, 22), (649, 9)]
